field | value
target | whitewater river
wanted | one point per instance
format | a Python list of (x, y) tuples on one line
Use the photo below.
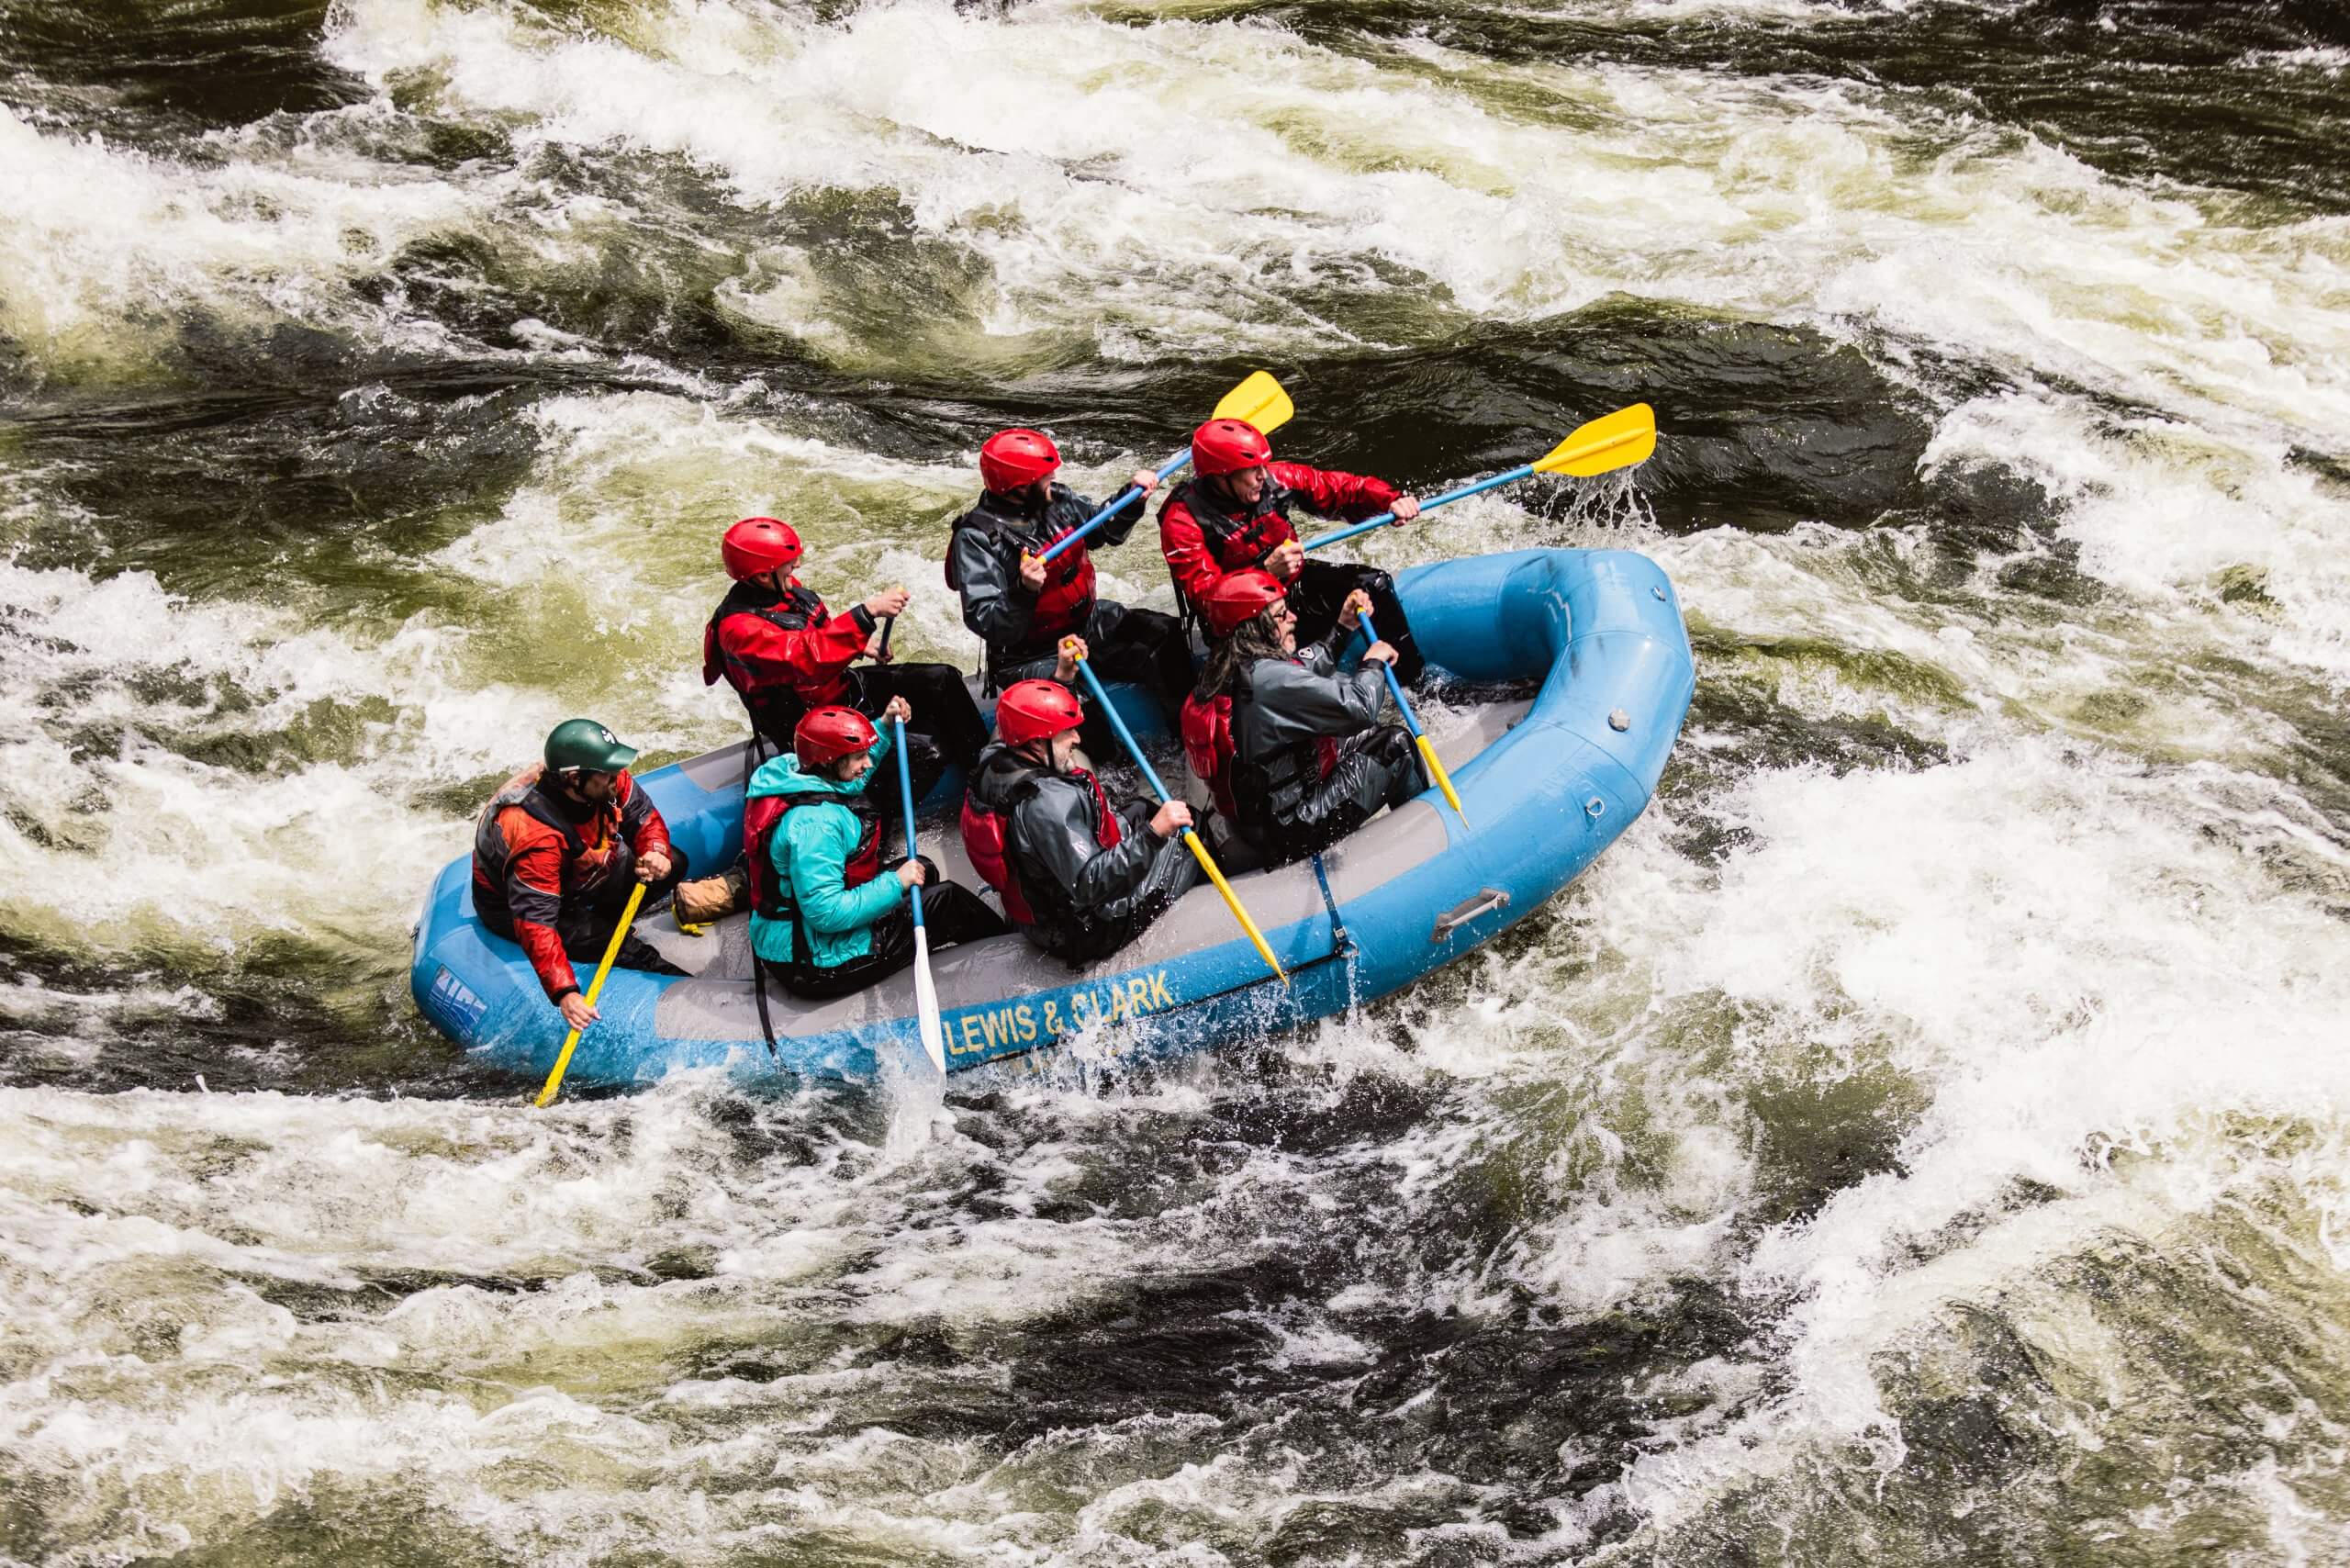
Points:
[(1925, 1138)]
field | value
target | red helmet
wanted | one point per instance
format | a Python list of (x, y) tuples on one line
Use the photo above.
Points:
[(760, 544), (1227, 446), (1239, 597), (824, 735), (1031, 710), (1009, 459)]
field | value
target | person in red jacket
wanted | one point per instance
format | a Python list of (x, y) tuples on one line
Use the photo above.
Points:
[(1234, 513), (554, 852), (774, 642)]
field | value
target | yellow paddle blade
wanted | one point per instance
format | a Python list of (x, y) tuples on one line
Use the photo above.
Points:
[(1260, 400), (1436, 771), (1232, 901), (1611, 441)]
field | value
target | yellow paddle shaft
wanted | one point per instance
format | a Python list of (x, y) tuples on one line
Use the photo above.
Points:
[(1436, 771), (1232, 901), (594, 989)]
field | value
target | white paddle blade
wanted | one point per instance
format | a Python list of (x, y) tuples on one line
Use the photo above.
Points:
[(933, 1037)]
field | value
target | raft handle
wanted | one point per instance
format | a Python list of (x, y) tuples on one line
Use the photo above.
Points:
[(1487, 901)]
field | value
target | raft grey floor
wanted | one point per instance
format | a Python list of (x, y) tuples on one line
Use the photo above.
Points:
[(717, 1003)]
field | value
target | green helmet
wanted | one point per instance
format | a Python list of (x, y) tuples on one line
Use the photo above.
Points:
[(583, 743)]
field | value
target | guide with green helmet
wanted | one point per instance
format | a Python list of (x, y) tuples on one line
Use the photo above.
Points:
[(587, 744), (556, 851)]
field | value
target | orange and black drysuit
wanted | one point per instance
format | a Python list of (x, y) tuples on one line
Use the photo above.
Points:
[(786, 652), (1205, 534), (553, 874)]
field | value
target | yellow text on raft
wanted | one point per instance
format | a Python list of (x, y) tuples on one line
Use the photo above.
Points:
[(989, 1029)]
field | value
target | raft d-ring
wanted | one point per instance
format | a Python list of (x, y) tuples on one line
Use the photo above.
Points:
[(1595, 805), (1658, 589)]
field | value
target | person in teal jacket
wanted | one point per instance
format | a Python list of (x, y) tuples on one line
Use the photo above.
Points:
[(828, 916)]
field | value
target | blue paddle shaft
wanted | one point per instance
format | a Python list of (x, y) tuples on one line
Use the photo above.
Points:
[(1166, 470), (1125, 736), (1394, 686), (1384, 519), (906, 798)]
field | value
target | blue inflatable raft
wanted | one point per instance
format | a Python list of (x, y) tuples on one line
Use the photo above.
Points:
[(1546, 784)]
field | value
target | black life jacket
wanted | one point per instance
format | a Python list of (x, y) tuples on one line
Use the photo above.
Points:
[(770, 894), (1065, 604), (1032, 895), (771, 698)]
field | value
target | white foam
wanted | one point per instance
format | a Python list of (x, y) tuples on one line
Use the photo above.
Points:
[(2056, 949), (2313, 57), (1069, 155), (130, 841), (2085, 953), (101, 244)]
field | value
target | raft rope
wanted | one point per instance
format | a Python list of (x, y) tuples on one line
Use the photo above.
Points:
[(1341, 943), (759, 989)]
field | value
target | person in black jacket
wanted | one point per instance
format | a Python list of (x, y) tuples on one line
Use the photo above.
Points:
[(1022, 605), (1293, 748), (1080, 876)]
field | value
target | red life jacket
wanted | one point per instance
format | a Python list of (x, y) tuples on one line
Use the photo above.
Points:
[(986, 838), (1238, 539), (1065, 604), (1207, 747), (773, 699), (763, 814)]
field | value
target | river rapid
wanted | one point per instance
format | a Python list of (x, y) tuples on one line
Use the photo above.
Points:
[(1922, 1138)]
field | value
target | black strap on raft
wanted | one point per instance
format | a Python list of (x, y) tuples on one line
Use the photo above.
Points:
[(1339, 941), (759, 989)]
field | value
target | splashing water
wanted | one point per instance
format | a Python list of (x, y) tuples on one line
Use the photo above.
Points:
[(1925, 1129)]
